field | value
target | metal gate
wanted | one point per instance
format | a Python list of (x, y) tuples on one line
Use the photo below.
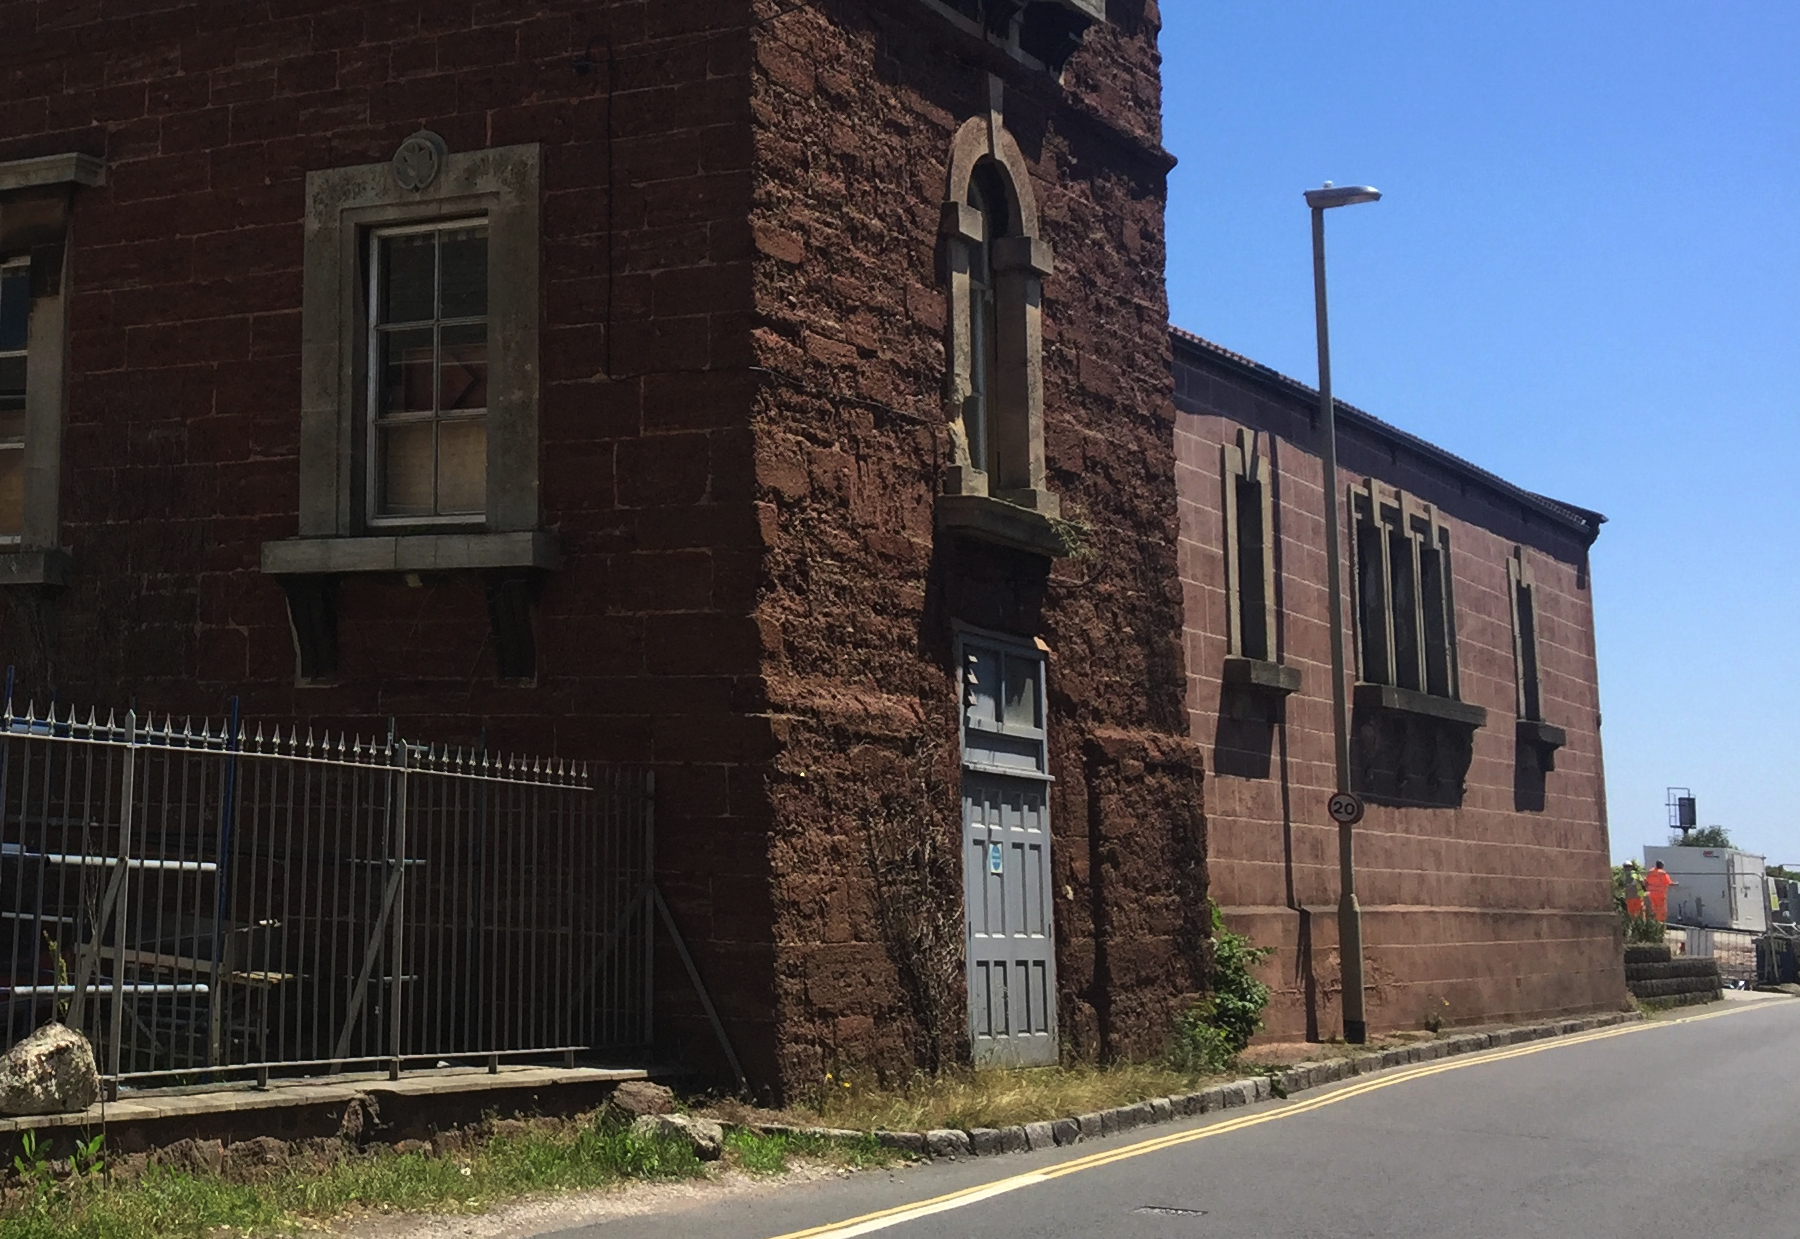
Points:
[(1006, 854)]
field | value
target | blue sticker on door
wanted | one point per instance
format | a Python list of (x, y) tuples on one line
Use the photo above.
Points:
[(996, 858)]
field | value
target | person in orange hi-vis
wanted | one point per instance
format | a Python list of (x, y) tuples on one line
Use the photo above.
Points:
[(1658, 881), (1634, 891)]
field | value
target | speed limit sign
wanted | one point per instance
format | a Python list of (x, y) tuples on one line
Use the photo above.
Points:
[(1346, 808)]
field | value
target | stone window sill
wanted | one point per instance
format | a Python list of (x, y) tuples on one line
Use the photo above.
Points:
[(1260, 676), (436, 552), (1392, 700), (1000, 523), (1541, 735), (19, 567)]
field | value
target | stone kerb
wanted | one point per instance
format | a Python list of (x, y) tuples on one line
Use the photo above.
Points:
[(952, 1143)]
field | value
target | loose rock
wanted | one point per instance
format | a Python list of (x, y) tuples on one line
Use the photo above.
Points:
[(640, 1097), (704, 1136), (50, 1072)]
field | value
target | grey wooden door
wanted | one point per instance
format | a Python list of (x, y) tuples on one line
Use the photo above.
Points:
[(1006, 856)]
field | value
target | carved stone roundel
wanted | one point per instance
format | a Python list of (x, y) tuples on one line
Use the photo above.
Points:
[(419, 160)]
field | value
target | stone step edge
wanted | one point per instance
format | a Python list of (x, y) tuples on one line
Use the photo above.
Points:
[(989, 1141)]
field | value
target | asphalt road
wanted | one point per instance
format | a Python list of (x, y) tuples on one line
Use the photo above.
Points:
[(1681, 1127)]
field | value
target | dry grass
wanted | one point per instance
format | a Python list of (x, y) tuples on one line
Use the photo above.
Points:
[(990, 1098), (997, 1098)]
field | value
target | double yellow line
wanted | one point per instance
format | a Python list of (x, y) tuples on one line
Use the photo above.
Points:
[(882, 1219)]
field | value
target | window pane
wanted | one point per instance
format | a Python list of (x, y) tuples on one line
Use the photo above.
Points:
[(1022, 693), (12, 492), (1528, 663), (981, 684), (464, 293), (462, 467), (12, 426), (1253, 614), (408, 278), (462, 381), (1405, 610), (1371, 603), (407, 469), (12, 384), (1437, 631), (406, 371), (15, 307)]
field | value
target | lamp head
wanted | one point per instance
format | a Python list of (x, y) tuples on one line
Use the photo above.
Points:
[(1323, 199)]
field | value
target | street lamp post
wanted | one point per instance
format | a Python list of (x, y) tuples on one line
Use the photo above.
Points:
[(1350, 948)]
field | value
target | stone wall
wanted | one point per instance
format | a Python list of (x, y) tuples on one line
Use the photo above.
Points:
[(1496, 909), (856, 106), (180, 454)]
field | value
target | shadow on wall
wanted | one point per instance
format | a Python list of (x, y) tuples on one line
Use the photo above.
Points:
[(1244, 737), (1530, 765), (1405, 759)]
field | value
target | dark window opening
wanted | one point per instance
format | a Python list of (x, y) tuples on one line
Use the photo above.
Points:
[(1435, 606), (1405, 609), (1528, 660), (1252, 586), (1372, 605)]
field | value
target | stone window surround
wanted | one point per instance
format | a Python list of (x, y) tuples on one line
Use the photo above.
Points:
[(1078, 16), (1393, 509), (508, 547), (36, 203), (1252, 670), (1533, 732), (1014, 509)]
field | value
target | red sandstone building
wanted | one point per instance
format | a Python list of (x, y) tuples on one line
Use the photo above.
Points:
[(776, 395), (1484, 870)]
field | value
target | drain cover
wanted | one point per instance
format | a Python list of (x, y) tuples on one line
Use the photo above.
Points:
[(1170, 1211)]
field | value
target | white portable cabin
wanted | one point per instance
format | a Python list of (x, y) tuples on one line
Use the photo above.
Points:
[(1715, 888)]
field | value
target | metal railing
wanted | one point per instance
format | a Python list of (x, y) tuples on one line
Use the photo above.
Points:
[(206, 903)]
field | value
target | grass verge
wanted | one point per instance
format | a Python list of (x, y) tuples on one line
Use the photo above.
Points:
[(986, 1098), (574, 1155)]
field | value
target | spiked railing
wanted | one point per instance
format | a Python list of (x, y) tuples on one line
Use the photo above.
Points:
[(215, 900)]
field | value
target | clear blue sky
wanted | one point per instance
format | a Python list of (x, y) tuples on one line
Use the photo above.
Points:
[(1584, 276)]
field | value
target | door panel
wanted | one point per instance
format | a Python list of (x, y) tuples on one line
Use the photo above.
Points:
[(1012, 966)]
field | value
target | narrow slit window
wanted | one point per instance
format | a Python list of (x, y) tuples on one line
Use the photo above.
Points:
[(15, 319), (1404, 585), (1252, 550), (1525, 646), (1434, 604), (989, 200), (1372, 602), (1405, 602), (428, 372)]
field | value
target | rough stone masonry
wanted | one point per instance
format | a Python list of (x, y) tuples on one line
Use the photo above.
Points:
[(734, 571)]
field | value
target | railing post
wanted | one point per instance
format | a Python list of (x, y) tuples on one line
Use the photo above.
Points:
[(398, 753), (649, 802), (122, 905)]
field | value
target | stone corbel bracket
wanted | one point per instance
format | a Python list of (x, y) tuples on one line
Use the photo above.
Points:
[(1543, 739), (512, 567), (1257, 689)]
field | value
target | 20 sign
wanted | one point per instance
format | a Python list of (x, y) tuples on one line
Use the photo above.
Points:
[(1346, 808)]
